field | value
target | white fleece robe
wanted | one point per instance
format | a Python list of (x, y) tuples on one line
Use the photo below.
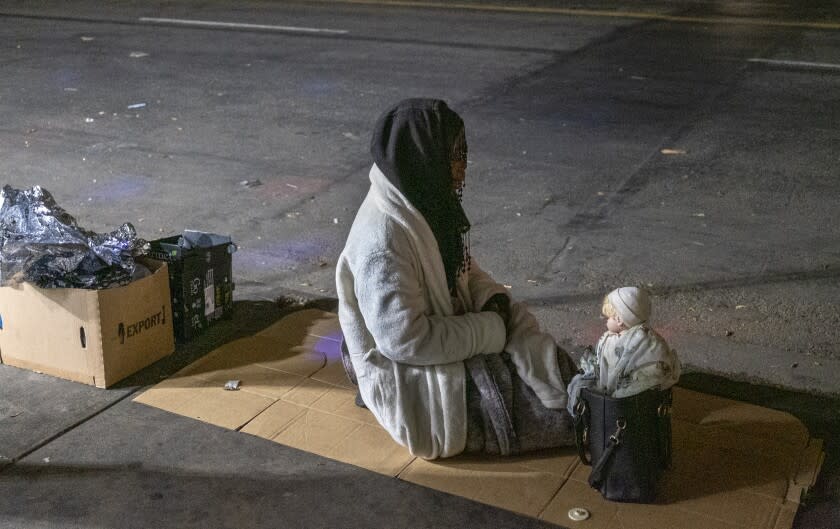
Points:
[(406, 345)]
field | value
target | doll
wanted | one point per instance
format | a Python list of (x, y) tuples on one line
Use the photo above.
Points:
[(630, 357)]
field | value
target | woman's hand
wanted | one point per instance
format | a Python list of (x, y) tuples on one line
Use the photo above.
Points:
[(500, 304)]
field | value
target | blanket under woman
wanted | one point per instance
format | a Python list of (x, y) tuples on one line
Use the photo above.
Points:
[(505, 416)]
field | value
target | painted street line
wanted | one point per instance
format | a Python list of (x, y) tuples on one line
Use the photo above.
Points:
[(605, 13), (238, 25), (797, 64)]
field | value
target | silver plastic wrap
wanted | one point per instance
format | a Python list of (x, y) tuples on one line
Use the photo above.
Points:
[(42, 244)]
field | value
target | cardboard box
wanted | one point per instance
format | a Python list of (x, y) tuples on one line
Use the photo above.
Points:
[(97, 337)]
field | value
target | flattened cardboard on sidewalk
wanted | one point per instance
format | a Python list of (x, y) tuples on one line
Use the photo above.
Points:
[(96, 337), (736, 465)]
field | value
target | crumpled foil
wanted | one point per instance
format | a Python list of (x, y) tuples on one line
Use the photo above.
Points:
[(42, 244)]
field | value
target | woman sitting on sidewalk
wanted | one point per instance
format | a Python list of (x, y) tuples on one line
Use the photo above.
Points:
[(443, 359)]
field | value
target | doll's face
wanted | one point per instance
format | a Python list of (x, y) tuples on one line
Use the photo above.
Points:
[(614, 324)]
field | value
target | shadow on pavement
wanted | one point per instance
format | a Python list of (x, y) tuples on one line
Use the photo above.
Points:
[(821, 414), (247, 318)]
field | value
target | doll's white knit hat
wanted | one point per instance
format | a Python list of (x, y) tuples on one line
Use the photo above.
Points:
[(632, 305)]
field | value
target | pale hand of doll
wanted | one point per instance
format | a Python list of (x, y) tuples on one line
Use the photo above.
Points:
[(588, 361), (500, 304)]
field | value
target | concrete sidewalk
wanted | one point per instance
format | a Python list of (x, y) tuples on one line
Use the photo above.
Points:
[(75, 456)]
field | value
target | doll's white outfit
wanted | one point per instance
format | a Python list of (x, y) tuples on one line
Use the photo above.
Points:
[(627, 363)]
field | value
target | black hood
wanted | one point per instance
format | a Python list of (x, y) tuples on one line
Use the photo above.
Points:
[(412, 145)]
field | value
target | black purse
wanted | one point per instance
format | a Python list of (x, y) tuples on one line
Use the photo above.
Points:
[(629, 442)]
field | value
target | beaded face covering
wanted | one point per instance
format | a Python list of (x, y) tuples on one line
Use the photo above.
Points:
[(459, 154)]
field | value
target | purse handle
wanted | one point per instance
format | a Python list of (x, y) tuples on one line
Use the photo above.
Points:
[(582, 430), (596, 478)]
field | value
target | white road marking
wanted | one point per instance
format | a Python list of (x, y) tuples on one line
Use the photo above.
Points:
[(797, 64), (742, 21), (239, 25)]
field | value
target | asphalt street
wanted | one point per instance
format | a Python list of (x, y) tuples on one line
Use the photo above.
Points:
[(689, 147), (689, 156)]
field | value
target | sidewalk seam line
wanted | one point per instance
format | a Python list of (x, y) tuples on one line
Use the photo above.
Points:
[(73, 426)]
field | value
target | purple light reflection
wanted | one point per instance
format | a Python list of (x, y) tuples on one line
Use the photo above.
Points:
[(283, 254), (291, 187), (122, 187), (330, 346), (320, 87)]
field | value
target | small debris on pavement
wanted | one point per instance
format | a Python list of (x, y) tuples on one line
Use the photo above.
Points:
[(251, 183), (136, 105), (290, 301), (138, 54), (232, 385), (46, 460), (698, 214), (322, 264), (730, 333), (739, 307), (88, 120), (533, 281), (335, 220), (794, 365), (578, 514), (672, 151), (350, 135)]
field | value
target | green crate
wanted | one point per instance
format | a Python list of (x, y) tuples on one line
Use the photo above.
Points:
[(200, 279)]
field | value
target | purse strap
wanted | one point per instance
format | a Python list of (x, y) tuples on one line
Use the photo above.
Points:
[(582, 430), (663, 416), (596, 478)]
